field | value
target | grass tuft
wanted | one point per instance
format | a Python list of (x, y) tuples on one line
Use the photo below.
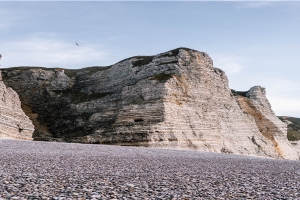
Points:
[(293, 132), (162, 77), (142, 60)]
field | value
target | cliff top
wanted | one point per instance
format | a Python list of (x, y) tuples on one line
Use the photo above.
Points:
[(139, 61)]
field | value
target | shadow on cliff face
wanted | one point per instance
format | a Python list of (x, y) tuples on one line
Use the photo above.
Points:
[(47, 96), (58, 101), (40, 130), (61, 102)]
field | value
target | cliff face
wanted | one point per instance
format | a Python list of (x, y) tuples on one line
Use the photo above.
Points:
[(296, 145), (293, 132), (293, 124), (270, 126), (175, 99), (14, 124)]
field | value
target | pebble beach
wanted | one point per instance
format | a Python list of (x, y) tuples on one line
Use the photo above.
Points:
[(45, 170)]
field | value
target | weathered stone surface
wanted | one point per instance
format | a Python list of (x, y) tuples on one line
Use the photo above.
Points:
[(175, 99), (14, 124), (270, 126), (296, 145), (293, 132), (293, 124)]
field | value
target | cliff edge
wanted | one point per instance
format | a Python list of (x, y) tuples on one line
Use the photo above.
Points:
[(293, 132), (176, 99), (255, 104), (14, 124)]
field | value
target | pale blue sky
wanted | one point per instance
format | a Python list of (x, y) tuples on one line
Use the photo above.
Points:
[(255, 43)]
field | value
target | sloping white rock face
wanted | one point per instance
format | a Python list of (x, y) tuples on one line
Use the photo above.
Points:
[(271, 127), (194, 109), (201, 113), (14, 124), (296, 145)]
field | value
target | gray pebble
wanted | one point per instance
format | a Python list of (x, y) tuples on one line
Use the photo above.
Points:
[(43, 170)]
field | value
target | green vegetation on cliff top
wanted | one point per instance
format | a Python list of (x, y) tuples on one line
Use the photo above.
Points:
[(293, 133)]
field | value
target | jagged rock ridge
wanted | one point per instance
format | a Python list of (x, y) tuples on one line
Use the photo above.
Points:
[(14, 124), (176, 99)]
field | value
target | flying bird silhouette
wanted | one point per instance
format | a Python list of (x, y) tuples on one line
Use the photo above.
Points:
[(77, 44)]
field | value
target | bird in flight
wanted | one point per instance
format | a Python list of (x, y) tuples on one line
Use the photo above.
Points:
[(77, 44)]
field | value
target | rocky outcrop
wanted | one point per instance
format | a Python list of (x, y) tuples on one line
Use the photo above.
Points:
[(176, 99), (296, 145), (255, 104), (14, 124), (293, 124), (293, 132)]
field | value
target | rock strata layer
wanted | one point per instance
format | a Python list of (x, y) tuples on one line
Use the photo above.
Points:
[(255, 104), (14, 124), (176, 99)]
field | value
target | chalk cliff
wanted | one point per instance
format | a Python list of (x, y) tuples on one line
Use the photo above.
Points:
[(293, 125), (14, 124), (296, 145), (255, 104), (176, 99), (293, 132)]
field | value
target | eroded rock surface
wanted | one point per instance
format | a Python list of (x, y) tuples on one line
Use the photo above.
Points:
[(255, 104), (175, 99), (14, 124), (296, 145), (293, 125)]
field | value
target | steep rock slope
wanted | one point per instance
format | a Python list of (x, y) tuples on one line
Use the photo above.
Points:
[(256, 104), (293, 124), (175, 99), (14, 124), (293, 132), (296, 145)]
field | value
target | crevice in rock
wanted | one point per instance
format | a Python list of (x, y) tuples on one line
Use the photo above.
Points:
[(138, 120), (254, 142), (225, 150), (239, 93), (20, 130)]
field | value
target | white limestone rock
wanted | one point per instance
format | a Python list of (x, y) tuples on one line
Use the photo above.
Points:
[(296, 145), (196, 110), (271, 127), (14, 124), (176, 99)]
